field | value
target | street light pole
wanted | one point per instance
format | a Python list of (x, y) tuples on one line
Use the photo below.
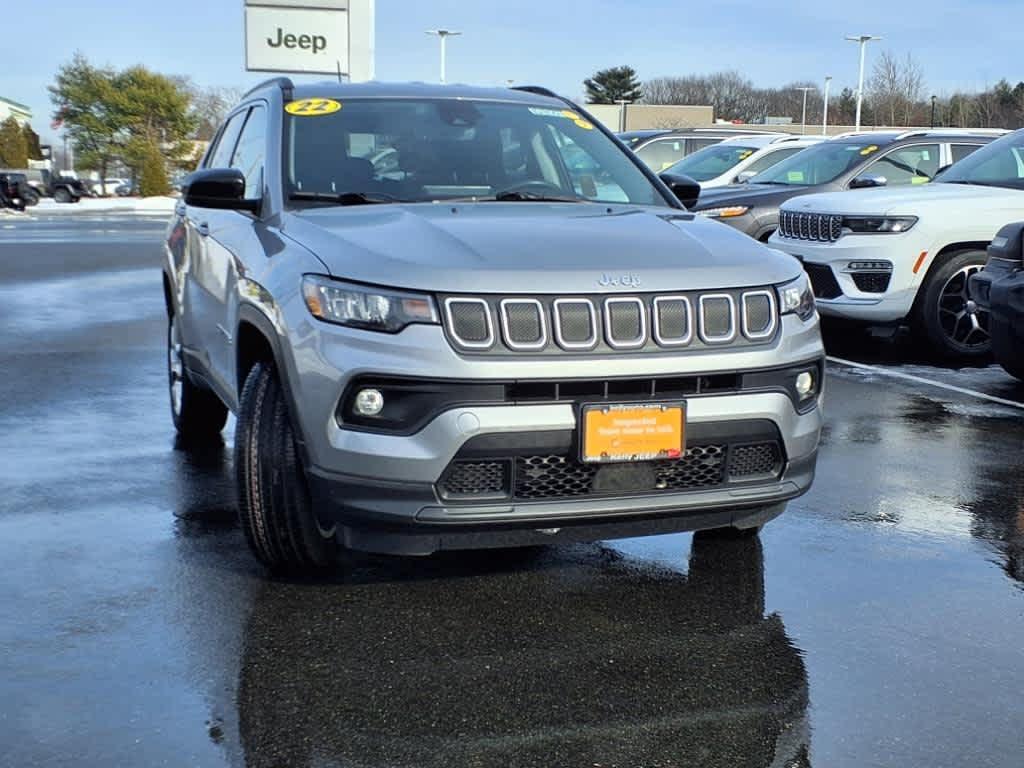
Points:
[(824, 112), (933, 111), (622, 113), (443, 35), (863, 40), (803, 117)]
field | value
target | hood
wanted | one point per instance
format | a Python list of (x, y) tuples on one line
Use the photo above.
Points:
[(913, 200), (748, 194), (532, 247)]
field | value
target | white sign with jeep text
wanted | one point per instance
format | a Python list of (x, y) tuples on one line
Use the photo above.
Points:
[(317, 36)]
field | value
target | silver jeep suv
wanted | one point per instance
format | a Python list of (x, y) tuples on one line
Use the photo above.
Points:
[(450, 317)]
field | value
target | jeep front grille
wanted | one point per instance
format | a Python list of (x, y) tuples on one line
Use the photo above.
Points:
[(823, 227), (604, 324)]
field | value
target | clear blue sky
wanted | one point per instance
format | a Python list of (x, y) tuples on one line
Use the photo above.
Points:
[(960, 43)]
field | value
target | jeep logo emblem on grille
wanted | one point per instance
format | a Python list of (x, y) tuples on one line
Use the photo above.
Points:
[(628, 280)]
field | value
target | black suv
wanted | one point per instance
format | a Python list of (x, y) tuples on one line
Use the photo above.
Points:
[(850, 161), (12, 190), (999, 290)]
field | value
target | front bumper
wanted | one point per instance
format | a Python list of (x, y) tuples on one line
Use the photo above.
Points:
[(841, 296), (394, 499), (380, 489)]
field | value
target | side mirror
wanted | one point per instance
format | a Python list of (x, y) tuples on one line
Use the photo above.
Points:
[(867, 182), (222, 188), (683, 187), (745, 176)]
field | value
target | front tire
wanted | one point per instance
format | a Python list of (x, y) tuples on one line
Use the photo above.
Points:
[(946, 318), (275, 508), (61, 195), (198, 414), (30, 197)]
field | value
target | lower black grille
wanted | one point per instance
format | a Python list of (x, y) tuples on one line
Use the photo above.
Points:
[(558, 477), (823, 281), (746, 461), (474, 478), (872, 282), (561, 476)]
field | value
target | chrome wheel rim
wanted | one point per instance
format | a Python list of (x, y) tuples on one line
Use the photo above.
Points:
[(175, 368), (962, 321)]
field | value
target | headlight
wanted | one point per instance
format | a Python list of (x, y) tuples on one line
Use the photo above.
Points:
[(797, 297), (727, 212), (878, 224), (360, 306)]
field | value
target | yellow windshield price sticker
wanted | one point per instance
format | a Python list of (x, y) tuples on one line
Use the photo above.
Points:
[(796, 177), (568, 114), (919, 180), (746, 153), (869, 150), (312, 107)]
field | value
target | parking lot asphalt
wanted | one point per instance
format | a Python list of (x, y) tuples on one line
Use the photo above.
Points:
[(878, 622)]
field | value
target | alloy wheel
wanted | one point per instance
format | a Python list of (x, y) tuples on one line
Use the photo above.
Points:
[(964, 322)]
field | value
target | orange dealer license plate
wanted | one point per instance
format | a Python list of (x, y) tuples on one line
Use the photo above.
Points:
[(633, 432)]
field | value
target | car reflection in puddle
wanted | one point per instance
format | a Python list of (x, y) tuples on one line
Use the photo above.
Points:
[(564, 656)]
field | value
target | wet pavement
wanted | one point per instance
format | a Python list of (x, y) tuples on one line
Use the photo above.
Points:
[(878, 622)]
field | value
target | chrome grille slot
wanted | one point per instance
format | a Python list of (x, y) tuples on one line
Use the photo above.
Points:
[(671, 321), (522, 323), (717, 318), (625, 322), (575, 323), (469, 322), (758, 315)]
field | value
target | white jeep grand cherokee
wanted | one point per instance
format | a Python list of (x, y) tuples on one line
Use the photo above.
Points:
[(882, 256)]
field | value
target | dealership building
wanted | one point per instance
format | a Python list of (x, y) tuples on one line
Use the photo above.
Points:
[(19, 112)]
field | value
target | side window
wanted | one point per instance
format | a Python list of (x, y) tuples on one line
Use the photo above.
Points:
[(696, 144), (765, 162), (660, 154), (221, 155), (960, 151), (251, 150), (907, 165)]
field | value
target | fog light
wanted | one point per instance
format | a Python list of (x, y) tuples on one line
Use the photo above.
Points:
[(805, 384), (368, 402)]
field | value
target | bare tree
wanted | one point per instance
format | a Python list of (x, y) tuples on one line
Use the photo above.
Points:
[(886, 86), (912, 78)]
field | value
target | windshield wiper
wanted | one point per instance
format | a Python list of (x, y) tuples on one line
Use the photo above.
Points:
[(533, 197), (346, 198)]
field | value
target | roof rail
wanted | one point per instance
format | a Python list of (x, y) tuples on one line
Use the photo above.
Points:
[(953, 131), (540, 90), (284, 83)]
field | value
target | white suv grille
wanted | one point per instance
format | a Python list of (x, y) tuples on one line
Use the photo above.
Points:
[(823, 227)]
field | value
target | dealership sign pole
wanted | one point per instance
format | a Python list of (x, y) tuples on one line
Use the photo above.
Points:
[(324, 37)]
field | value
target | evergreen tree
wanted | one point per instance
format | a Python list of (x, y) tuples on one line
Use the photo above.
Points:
[(13, 147), (611, 85)]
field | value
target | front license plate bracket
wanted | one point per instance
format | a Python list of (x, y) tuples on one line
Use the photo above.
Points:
[(629, 432)]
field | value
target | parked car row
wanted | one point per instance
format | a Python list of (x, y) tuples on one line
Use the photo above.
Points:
[(882, 245)]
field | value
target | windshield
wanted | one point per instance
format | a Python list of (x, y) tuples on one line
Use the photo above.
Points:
[(999, 164), (440, 149), (711, 162), (819, 164)]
